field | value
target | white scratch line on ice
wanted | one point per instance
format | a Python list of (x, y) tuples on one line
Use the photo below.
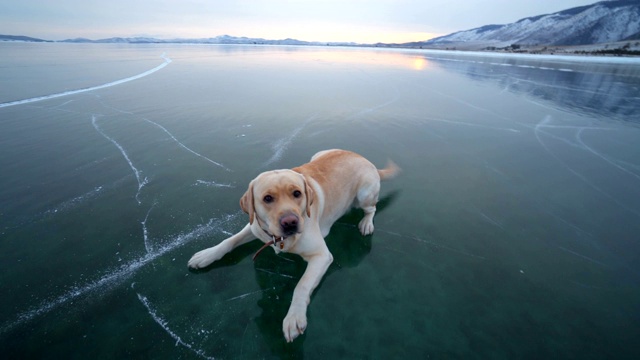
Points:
[(559, 87), (275, 273), (490, 220), (472, 124), (540, 104), (165, 325), (249, 294), (581, 256), (447, 248), (111, 107), (429, 242), (473, 106), (112, 277), (242, 340), (63, 104), (594, 152), (537, 132), (212, 183), (377, 107), (69, 204), (284, 258), (392, 233), (575, 127), (280, 146), (145, 232), (507, 86), (542, 124), (166, 62), (569, 224), (183, 145), (141, 182)]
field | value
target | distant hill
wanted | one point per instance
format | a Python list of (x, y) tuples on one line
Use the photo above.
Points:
[(602, 22), (20, 38), (223, 39)]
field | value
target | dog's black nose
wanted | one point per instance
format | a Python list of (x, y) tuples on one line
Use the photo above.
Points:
[(289, 224)]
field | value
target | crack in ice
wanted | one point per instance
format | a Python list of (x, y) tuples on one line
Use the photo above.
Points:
[(165, 325), (280, 146), (138, 173), (537, 131), (594, 152), (145, 232), (166, 62), (183, 145), (119, 274)]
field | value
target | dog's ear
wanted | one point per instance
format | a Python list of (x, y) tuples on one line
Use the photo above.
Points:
[(246, 203), (309, 194)]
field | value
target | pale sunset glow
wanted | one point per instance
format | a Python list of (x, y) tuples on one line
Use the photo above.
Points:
[(420, 63), (359, 21), (384, 58)]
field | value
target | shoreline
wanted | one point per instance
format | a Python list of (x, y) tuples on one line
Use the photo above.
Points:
[(624, 49), (628, 50)]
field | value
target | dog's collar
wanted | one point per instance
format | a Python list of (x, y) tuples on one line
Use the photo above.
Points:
[(274, 240)]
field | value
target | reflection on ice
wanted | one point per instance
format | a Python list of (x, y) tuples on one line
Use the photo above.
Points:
[(577, 83)]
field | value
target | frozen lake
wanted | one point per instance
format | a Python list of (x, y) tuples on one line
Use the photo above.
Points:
[(512, 232)]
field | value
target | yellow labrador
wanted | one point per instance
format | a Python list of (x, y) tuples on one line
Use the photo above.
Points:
[(293, 210)]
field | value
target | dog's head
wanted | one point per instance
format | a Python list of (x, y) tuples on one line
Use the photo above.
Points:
[(279, 200)]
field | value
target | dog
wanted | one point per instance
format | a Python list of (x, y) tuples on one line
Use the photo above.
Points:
[(293, 210)]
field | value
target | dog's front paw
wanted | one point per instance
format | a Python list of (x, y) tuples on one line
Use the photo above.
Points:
[(366, 226), (294, 324), (204, 258)]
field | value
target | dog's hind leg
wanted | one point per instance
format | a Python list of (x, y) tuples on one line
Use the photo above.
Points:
[(367, 199), (205, 257)]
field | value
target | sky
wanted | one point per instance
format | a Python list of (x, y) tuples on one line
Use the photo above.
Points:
[(361, 21)]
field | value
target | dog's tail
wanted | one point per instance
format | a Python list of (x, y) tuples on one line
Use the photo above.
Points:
[(390, 171)]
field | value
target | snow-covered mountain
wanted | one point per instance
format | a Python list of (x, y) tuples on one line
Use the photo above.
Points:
[(20, 38), (223, 39), (605, 21)]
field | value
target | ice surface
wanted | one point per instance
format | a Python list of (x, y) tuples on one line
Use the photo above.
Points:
[(512, 230)]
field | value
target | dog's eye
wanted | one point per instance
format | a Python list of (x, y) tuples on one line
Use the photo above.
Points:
[(268, 199), (297, 194)]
